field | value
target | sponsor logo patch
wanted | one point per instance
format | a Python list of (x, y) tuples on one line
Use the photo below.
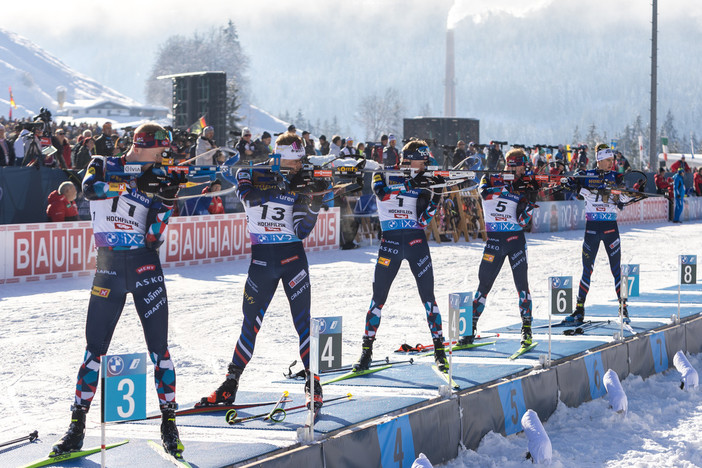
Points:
[(101, 292), (510, 239), (614, 244), (488, 258), (123, 227), (290, 259), (144, 268), (296, 280), (259, 262), (609, 231), (384, 261), (415, 242)]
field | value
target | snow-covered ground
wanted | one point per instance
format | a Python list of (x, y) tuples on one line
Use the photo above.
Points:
[(42, 341)]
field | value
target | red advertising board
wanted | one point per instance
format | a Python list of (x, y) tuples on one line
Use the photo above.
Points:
[(59, 250)]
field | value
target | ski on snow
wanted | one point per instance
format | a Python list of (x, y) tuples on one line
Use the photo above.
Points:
[(176, 460), (463, 347), (445, 376), (522, 350), (353, 374), (71, 455), (204, 409), (405, 348)]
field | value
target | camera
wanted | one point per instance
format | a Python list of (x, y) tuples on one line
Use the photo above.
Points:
[(44, 115)]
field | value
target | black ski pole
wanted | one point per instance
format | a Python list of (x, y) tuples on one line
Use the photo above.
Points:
[(31, 438)]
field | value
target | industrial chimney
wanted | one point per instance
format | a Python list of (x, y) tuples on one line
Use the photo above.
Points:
[(450, 84)]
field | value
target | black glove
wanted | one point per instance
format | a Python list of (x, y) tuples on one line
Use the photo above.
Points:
[(149, 181), (569, 183), (318, 185), (419, 181), (316, 203), (436, 180), (169, 190)]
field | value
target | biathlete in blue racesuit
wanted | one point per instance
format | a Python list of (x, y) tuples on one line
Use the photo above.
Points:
[(128, 227), (601, 226), (507, 212), (404, 213), (279, 218)]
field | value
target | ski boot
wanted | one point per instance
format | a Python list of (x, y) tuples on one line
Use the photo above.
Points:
[(625, 314), (169, 431), (469, 339), (366, 358), (526, 336), (440, 355), (578, 315), (466, 340), (73, 439), (226, 393), (318, 398)]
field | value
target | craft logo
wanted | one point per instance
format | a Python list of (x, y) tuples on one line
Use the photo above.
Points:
[(288, 260), (102, 292), (488, 258), (296, 280), (144, 268), (384, 261)]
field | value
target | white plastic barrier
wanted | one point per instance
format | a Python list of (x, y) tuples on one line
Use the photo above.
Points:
[(36, 252), (615, 393), (689, 378), (538, 442)]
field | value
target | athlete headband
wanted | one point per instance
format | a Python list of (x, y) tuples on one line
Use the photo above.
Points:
[(420, 154), (159, 139), (294, 151), (603, 154)]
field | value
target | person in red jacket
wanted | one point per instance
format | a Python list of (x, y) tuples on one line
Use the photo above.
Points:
[(678, 164), (62, 203), (697, 182), (662, 184), (216, 205)]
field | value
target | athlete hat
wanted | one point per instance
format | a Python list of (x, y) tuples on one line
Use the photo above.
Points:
[(420, 154), (605, 153), (516, 157), (294, 151)]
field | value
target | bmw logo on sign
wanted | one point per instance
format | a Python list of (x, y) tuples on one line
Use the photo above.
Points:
[(115, 365)]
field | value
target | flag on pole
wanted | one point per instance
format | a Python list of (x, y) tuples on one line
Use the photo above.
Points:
[(12, 103), (198, 125)]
